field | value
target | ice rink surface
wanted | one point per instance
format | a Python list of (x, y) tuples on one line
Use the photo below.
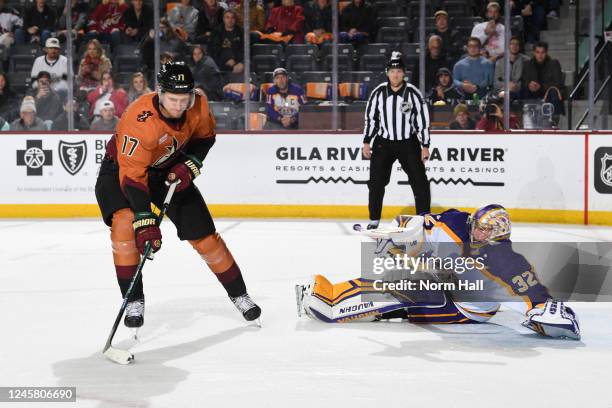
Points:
[(59, 296)]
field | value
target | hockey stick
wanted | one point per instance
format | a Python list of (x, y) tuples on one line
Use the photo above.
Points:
[(124, 356)]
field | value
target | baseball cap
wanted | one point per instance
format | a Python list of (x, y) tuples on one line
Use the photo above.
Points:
[(28, 105), (440, 13), (493, 4), (107, 105), (52, 43), (279, 71)]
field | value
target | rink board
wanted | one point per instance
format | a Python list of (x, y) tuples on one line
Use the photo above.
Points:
[(546, 177)]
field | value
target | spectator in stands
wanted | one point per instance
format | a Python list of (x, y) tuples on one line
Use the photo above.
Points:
[(53, 63), (444, 92), (517, 61), (257, 16), (48, 103), (79, 20), (450, 38), (9, 22), (106, 22), (169, 41), (209, 20), (7, 98), (138, 19), (473, 75), (107, 120), (206, 73), (542, 79), (38, 23), (285, 24), (462, 121), (318, 22), (138, 87), (184, 18), (107, 92), (358, 23), (28, 121), (227, 45), (61, 121), (492, 116), (434, 60), (93, 65), (491, 33), (533, 14), (283, 100)]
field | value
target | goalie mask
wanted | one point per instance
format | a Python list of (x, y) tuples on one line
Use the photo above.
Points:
[(490, 223)]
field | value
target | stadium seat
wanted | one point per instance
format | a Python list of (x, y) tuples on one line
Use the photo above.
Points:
[(392, 35), (26, 49), (410, 48), (127, 50), (267, 49), (315, 76), (400, 22), (412, 9), (356, 83), (301, 49), (345, 63), (264, 63), (389, 8), (20, 81), (457, 8), (464, 21), (430, 23), (375, 49), (343, 49), (124, 79), (301, 63), (21, 63), (374, 63), (223, 112), (126, 63)]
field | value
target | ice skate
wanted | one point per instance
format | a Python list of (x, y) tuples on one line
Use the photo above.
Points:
[(248, 308), (134, 316)]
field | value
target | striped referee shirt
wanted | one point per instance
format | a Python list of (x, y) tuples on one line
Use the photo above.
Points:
[(396, 115)]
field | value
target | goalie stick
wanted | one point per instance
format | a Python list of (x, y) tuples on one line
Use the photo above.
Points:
[(117, 355)]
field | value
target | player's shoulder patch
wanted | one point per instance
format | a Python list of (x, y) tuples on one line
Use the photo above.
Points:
[(144, 115)]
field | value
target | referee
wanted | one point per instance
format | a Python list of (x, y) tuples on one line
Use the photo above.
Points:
[(398, 118)]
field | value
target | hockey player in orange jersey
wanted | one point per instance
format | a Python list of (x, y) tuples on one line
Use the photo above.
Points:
[(163, 136)]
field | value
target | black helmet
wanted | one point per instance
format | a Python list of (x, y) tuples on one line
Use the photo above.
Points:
[(395, 61), (175, 77)]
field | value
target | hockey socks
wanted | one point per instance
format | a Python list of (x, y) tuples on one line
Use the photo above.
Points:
[(232, 281)]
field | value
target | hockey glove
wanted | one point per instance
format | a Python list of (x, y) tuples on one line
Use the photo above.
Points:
[(185, 172), (554, 319), (146, 230)]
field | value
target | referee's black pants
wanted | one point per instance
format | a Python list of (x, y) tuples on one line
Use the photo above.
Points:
[(384, 154)]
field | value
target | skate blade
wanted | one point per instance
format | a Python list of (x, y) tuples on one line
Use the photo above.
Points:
[(257, 322), (135, 331)]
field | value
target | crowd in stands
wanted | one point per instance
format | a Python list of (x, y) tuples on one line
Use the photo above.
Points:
[(290, 56)]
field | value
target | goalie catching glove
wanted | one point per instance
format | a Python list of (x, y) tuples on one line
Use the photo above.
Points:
[(553, 319), (146, 230), (185, 172)]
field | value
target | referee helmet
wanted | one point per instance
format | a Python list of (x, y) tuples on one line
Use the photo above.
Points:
[(395, 61)]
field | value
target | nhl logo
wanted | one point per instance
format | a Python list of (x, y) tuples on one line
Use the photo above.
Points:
[(406, 107), (606, 169), (72, 155)]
